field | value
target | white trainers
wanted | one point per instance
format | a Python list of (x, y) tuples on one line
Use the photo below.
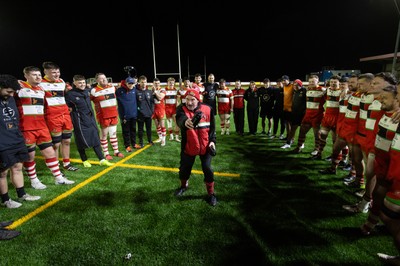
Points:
[(63, 181), (286, 146), (158, 140), (360, 193), (362, 206), (314, 152), (227, 132), (388, 259), (302, 146), (171, 136), (163, 141), (11, 204), (177, 139), (36, 184), (28, 197), (222, 131), (282, 137)]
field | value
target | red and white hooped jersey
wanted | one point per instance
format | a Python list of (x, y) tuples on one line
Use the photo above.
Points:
[(105, 102), (30, 102), (54, 97)]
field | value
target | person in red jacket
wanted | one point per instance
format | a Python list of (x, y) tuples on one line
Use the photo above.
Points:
[(197, 125), (238, 107)]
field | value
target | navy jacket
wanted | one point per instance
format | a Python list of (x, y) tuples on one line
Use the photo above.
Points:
[(82, 115), (127, 104), (145, 102), (9, 125)]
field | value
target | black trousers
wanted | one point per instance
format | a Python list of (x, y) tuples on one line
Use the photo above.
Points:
[(278, 117), (141, 122), (186, 165), (238, 118), (129, 132), (97, 149), (252, 118)]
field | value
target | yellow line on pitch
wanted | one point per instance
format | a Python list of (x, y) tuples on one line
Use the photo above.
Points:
[(120, 163), (159, 168), (52, 202)]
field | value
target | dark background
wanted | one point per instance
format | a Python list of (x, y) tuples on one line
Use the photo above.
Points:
[(248, 41)]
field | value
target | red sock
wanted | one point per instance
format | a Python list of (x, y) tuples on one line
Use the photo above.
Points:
[(210, 188)]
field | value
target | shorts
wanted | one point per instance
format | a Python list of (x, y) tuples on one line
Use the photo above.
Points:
[(106, 122), (59, 124), (296, 118), (224, 109), (329, 121), (381, 164), (287, 116), (394, 190), (170, 110), (16, 154), (315, 122), (265, 112), (37, 137), (158, 114), (347, 135), (362, 141)]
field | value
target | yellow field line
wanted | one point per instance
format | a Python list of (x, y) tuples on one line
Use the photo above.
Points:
[(120, 163)]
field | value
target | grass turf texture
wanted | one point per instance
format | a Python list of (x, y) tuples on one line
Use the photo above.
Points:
[(273, 209)]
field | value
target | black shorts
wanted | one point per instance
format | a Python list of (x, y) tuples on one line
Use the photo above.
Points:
[(287, 116), (16, 154), (266, 113), (296, 119)]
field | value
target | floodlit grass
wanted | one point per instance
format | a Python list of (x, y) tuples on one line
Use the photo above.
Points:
[(274, 209)]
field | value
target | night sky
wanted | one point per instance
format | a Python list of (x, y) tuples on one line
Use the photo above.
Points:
[(249, 41)]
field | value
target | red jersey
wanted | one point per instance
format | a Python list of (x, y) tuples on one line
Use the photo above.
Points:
[(54, 98), (332, 101), (350, 122), (365, 102), (386, 131), (181, 94), (171, 100), (200, 88), (342, 110), (159, 106), (224, 96), (30, 102), (315, 104), (394, 166), (238, 98), (374, 114), (105, 102)]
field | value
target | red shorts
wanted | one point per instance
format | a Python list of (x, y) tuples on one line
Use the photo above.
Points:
[(394, 190), (158, 114), (170, 110), (329, 121), (106, 122), (394, 170), (59, 124), (37, 137), (394, 165), (347, 133), (314, 121), (362, 141), (224, 108), (381, 164)]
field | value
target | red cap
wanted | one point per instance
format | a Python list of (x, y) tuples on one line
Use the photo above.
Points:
[(193, 93), (298, 82)]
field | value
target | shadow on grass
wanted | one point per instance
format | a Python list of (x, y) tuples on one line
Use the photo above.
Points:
[(284, 201)]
